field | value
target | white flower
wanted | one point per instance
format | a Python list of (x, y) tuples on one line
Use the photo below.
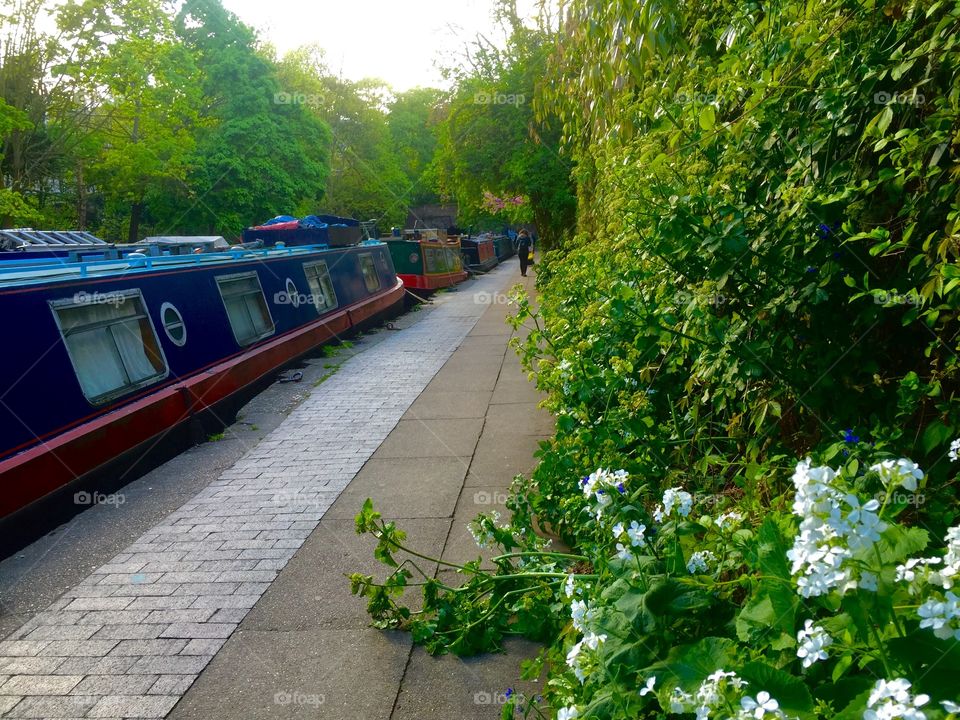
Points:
[(728, 520), (868, 580), (623, 552), (618, 531), (592, 640), (573, 660), (949, 705), (648, 686), (635, 533), (899, 472), (939, 616), (954, 450), (699, 561), (674, 498), (813, 641), (568, 586), (680, 701), (567, 713), (579, 614), (834, 525), (760, 706), (892, 699)]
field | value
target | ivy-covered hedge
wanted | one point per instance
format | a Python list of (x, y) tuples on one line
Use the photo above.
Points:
[(764, 270)]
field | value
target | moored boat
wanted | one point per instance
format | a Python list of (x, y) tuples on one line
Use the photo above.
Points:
[(479, 253), (504, 247), (426, 259), (114, 354)]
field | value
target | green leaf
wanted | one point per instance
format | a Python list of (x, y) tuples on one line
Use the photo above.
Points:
[(791, 692), (886, 116), (708, 117)]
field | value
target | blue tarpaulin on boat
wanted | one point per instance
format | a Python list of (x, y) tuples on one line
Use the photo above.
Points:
[(280, 219)]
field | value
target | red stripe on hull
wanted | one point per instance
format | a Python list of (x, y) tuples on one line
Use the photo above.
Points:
[(30, 475), (432, 282)]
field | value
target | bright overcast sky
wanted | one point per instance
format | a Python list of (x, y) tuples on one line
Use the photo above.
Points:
[(399, 42)]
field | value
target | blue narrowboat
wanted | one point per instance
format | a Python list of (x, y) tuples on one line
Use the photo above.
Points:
[(115, 347)]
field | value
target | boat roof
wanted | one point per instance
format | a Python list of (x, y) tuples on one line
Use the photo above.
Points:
[(16, 273)]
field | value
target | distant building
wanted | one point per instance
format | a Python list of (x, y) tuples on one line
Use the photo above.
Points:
[(432, 216)]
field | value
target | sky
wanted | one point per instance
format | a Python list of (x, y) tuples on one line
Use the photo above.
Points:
[(397, 41)]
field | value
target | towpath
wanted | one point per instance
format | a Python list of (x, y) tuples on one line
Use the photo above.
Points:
[(234, 604)]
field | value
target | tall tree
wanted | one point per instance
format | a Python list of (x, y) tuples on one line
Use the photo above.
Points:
[(261, 155), (127, 55)]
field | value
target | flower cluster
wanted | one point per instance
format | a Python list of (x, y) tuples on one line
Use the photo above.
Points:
[(813, 641), (903, 472), (600, 486), (892, 699), (834, 527), (576, 658), (674, 499), (482, 529), (728, 521), (700, 561), (721, 692), (634, 534), (941, 611), (954, 452), (495, 204)]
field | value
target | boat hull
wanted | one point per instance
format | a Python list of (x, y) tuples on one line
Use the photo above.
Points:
[(68, 457), (479, 254), (52, 445)]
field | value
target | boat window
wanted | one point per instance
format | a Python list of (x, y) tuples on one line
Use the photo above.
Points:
[(246, 307), (111, 342), (173, 324), (370, 276), (322, 295)]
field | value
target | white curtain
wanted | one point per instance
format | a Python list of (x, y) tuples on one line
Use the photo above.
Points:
[(110, 356)]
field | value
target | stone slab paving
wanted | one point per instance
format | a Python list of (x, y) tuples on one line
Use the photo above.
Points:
[(131, 637), (307, 648)]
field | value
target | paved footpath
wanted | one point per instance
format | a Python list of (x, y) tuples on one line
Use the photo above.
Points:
[(432, 423)]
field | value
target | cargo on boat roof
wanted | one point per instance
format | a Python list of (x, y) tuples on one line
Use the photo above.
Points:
[(310, 230)]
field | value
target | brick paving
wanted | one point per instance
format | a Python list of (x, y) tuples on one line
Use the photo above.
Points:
[(130, 638)]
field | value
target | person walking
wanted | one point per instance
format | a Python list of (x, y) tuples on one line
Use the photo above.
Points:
[(524, 248)]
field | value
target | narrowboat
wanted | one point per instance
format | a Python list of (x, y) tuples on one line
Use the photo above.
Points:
[(479, 253), (113, 354), (426, 259), (504, 247)]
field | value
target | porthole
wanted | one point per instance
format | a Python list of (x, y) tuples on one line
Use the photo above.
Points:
[(293, 295), (173, 324)]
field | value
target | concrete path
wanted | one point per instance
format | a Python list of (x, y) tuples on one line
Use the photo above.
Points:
[(131, 638)]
